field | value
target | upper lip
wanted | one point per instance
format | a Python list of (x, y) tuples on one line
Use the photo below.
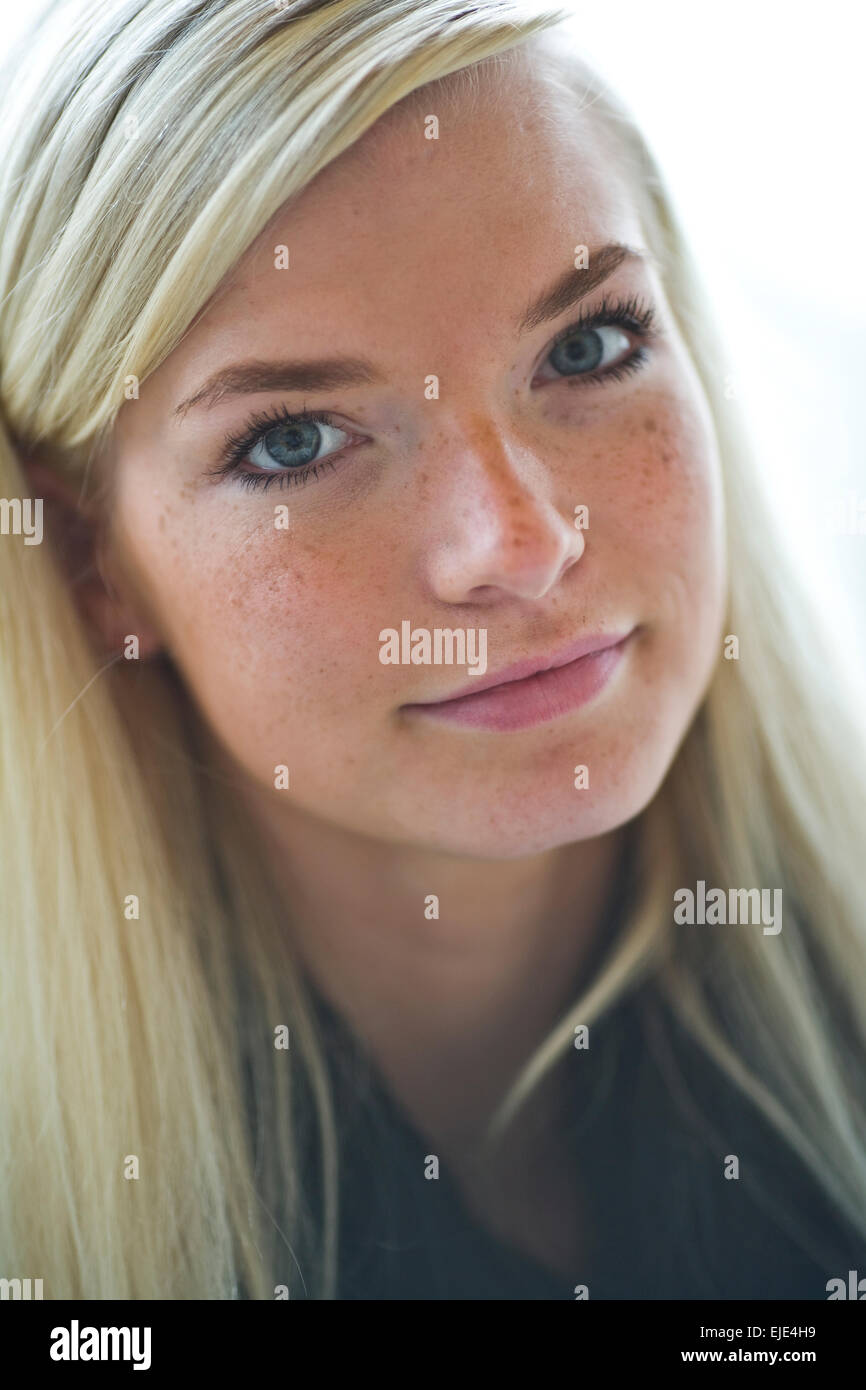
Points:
[(533, 666)]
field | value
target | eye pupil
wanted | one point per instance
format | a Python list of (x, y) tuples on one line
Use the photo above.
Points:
[(301, 437), (582, 351)]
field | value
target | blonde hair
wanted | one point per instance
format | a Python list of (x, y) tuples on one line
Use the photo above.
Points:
[(147, 143)]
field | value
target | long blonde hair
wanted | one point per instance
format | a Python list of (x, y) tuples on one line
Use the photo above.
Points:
[(146, 143)]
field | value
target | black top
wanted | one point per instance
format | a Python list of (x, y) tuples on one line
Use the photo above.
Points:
[(667, 1222)]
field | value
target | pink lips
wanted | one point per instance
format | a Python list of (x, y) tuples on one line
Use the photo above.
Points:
[(526, 693)]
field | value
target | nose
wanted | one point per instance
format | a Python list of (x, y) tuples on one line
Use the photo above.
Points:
[(498, 533)]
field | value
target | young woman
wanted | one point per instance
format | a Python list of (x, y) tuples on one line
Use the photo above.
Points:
[(432, 842)]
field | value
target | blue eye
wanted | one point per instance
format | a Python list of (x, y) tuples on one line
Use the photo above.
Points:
[(588, 349), (600, 347), (296, 444), (287, 449)]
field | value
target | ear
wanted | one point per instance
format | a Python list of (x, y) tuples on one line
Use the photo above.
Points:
[(72, 523)]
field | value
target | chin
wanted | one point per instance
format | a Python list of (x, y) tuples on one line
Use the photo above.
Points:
[(515, 829)]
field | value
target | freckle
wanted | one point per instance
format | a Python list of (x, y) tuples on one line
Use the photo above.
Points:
[(650, 425)]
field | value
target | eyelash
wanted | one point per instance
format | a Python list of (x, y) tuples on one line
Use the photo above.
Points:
[(633, 313)]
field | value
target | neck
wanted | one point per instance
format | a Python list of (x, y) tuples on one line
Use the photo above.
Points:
[(449, 970)]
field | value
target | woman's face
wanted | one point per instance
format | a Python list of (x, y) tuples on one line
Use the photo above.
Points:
[(442, 492)]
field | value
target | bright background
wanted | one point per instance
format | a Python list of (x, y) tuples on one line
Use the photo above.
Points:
[(754, 110)]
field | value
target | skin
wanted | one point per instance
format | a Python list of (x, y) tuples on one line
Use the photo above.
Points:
[(456, 512)]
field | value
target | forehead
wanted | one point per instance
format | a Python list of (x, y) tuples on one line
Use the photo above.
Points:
[(410, 250), (517, 175)]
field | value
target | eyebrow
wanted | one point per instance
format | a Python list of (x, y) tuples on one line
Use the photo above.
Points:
[(328, 374), (576, 284)]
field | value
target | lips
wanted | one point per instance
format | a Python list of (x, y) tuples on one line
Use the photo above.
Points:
[(535, 690)]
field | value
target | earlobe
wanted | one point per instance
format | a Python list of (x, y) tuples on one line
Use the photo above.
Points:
[(72, 528)]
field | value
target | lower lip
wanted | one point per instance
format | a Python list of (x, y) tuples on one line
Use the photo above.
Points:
[(535, 700)]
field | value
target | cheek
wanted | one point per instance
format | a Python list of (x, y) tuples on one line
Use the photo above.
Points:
[(266, 626), (665, 472), (665, 497), (669, 516)]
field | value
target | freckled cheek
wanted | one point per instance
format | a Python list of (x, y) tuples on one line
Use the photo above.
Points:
[(275, 615), (664, 507), (662, 481)]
